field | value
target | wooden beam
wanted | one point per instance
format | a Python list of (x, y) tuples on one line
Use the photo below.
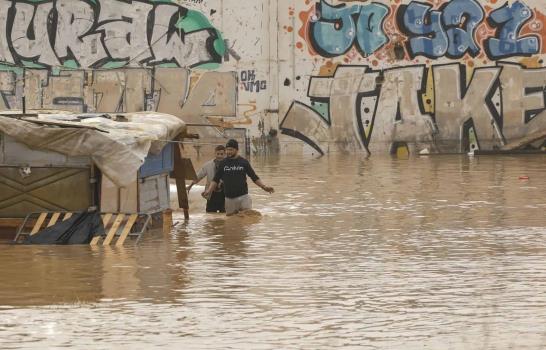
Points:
[(39, 223), (126, 230), (113, 229), (181, 172), (105, 221), (11, 222), (54, 219), (524, 141)]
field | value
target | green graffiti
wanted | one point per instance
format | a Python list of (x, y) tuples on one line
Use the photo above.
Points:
[(71, 64), (30, 64), (192, 21), (168, 65), (114, 64), (323, 109), (10, 68), (209, 66)]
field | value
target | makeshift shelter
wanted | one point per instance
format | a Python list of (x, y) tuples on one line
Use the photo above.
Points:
[(69, 162)]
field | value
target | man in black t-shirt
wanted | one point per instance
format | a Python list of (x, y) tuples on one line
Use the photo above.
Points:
[(233, 171)]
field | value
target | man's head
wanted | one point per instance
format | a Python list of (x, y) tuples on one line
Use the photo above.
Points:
[(220, 152), (232, 147)]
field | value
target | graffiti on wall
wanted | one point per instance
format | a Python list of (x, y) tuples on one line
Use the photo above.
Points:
[(457, 75), (438, 107), (454, 29), (451, 31), (190, 96), (105, 34), (250, 83), (113, 56), (335, 29)]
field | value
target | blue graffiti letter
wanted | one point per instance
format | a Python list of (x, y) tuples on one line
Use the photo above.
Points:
[(461, 40), (370, 34), (428, 37), (509, 20), (334, 32)]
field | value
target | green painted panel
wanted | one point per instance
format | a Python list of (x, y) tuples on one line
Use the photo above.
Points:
[(44, 189)]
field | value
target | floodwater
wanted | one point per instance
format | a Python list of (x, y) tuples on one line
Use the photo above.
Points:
[(438, 252)]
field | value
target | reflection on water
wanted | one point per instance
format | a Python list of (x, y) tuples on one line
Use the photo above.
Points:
[(444, 252)]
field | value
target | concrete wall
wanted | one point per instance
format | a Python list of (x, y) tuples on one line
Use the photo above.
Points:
[(445, 75), (329, 76)]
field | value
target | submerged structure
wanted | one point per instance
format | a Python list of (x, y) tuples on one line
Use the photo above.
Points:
[(56, 164)]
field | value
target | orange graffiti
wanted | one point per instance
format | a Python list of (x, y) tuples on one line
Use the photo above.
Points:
[(328, 69), (531, 62), (251, 108), (221, 122), (483, 31), (305, 17)]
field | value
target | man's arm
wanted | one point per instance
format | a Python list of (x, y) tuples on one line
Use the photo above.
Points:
[(252, 174), (214, 183), (200, 176), (188, 188), (264, 187), (211, 189)]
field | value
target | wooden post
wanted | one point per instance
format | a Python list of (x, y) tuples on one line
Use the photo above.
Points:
[(167, 221), (183, 170), (180, 176)]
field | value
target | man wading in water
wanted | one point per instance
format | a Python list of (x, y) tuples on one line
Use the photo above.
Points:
[(233, 171), (215, 200)]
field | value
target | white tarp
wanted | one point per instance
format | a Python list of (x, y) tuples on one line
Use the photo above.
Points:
[(118, 147)]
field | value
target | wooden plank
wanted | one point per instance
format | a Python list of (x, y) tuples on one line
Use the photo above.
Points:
[(39, 223), (113, 229), (508, 152), (126, 230), (54, 219), (524, 141), (183, 167), (95, 240), (11, 222), (183, 202), (189, 170), (105, 220), (67, 216), (167, 221)]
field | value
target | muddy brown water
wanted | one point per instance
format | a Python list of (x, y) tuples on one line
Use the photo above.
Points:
[(442, 252)]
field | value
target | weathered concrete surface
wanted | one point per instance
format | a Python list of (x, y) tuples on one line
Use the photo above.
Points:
[(449, 76)]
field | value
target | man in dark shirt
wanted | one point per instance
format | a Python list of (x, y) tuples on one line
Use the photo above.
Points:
[(233, 171)]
